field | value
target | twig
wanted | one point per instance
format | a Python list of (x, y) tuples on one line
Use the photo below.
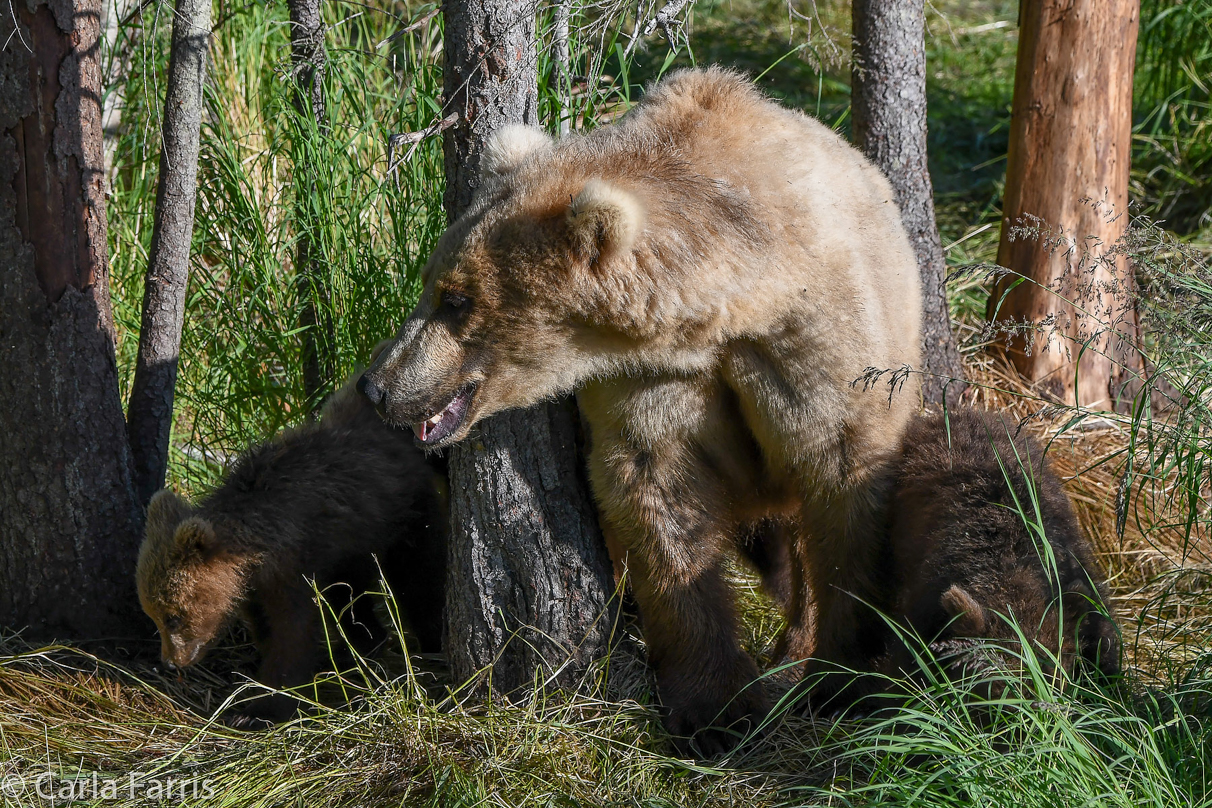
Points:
[(420, 21), (415, 138)]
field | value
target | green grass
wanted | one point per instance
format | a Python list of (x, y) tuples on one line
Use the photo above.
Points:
[(1141, 484)]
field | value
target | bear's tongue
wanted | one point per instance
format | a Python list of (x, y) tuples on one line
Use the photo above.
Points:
[(445, 422)]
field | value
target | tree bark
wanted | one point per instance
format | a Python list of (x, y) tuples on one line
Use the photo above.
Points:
[(530, 582), (1067, 172), (150, 413), (309, 60), (562, 62), (69, 519), (889, 107)]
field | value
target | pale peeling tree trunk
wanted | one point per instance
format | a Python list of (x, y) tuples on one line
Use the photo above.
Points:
[(530, 582), (1067, 172), (309, 60), (889, 108), (69, 519), (150, 412)]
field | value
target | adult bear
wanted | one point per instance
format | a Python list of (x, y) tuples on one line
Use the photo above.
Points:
[(712, 275)]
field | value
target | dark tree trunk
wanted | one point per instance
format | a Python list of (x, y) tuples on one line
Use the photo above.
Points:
[(1068, 162), (150, 413), (69, 519), (526, 555), (309, 60), (889, 106)]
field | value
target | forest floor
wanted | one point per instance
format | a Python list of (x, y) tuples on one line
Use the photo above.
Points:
[(76, 721)]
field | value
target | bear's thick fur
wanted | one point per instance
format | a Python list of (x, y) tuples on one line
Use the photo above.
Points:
[(963, 558), (711, 274), (319, 502)]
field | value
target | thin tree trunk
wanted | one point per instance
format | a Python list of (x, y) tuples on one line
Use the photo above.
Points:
[(562, 64), (69, 519), (150, 413), (309, 61), (1067, 171), (889, 107), (529, 578)]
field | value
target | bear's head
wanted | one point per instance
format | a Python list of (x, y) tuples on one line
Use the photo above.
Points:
[(513, 296), (189, 585), (1060, 629)]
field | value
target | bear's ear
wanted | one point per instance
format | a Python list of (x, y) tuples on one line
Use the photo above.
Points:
[(968, 616), (196, 536), (604, 219), (510, 146), (165, 511)]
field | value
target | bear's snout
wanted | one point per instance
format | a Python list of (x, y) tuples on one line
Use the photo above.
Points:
[(377, 395)]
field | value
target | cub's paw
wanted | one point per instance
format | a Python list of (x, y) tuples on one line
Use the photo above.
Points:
[(705, 728)]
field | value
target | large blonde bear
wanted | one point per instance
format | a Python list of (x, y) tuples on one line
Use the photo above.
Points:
[(713, 275)]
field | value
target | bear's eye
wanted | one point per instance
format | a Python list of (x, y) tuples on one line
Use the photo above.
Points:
[(454, 301), (173, 622)]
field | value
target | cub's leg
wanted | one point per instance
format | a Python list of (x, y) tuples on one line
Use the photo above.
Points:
[(288, 634), (655, 466)]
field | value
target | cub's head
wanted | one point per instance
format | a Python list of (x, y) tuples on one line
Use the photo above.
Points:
[(188, 584), (1065, 628), (510, 293)]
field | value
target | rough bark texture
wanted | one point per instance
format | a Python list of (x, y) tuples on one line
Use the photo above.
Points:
[(530, 581), (308, 60), (69, 521), (150, 412), (1067, 171), (889, 107), (490, 79)]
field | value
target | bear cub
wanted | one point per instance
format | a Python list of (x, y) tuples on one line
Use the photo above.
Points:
[(321, 501), (962, 556)]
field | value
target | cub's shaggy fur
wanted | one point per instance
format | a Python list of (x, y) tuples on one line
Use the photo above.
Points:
[(711, 274), (963, 558), (319, 502)]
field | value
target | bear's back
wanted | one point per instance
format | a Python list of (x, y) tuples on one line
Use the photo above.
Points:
[(956, 519), (346, 486)]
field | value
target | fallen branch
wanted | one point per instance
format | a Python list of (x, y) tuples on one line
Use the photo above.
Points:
[(414, 140)]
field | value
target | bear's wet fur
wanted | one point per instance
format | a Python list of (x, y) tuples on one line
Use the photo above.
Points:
[(321, 501)]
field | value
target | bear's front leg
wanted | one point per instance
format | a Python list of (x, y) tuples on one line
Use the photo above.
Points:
[(666, 516), (287, 631)]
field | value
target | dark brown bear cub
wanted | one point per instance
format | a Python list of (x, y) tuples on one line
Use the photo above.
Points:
[(318, 502), (981, 530)]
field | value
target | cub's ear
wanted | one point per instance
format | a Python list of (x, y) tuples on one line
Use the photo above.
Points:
[(968, 616), (165, 511), (605, 219), (510, 146), (196, 535)]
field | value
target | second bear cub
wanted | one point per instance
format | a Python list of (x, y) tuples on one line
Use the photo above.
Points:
[(321, 501), (980, 531)]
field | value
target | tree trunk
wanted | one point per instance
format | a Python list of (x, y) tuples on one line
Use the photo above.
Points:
[(150, 413), (562, 62), (309, 59), (889, 106), (69, 520), (526, 555), (1067, 172)]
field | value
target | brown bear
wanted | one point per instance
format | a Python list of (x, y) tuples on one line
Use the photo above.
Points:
[(981, 532), (334, 502), (712, 275)]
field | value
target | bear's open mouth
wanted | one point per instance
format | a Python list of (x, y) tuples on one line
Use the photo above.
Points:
[(447, 421)]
